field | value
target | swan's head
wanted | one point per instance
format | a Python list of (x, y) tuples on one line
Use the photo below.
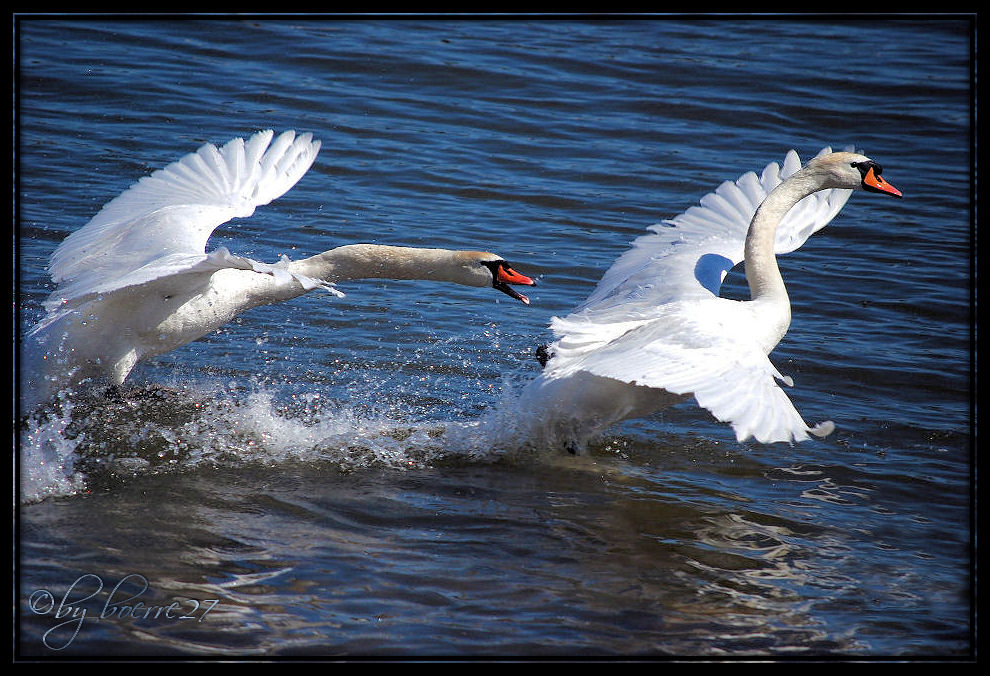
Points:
[(488, 269), (852, 171)]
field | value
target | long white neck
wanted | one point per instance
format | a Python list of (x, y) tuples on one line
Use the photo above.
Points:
[(232, 291), (188, 312), (378, 261), (766, 286)]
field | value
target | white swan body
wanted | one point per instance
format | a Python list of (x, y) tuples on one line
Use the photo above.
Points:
[(136, 281), (655, 331)]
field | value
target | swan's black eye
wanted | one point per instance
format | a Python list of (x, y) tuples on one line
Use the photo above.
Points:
[(865, 166), (493, 266)]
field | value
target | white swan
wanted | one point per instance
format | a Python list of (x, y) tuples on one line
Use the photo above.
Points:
[(655, 330), (136, 282)]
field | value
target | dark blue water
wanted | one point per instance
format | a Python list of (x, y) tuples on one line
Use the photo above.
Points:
[(319, 478)]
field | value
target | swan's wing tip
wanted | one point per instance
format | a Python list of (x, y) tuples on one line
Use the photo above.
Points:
[(822, 429)]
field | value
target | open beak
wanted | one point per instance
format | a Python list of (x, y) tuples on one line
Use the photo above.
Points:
[(505, 275), (873, 182)]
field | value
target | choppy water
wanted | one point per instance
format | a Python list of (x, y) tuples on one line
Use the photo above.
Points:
[(323, 477)]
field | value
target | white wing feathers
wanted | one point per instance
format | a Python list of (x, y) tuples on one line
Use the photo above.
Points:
[(161, 224), (688, 256), (693, 348), (655, 318)]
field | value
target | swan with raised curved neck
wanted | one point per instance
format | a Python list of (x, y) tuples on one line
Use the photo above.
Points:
[(655, 330)]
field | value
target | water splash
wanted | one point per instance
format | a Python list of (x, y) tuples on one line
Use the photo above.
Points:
[(88, 440), (47, 456)]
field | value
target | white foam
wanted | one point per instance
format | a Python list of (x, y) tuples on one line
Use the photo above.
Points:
[(176, 429), (47, 457)]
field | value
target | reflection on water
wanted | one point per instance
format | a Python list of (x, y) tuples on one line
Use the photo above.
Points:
[(291, 550), (692, 550)]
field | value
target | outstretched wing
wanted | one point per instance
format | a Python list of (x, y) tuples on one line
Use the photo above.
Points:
[(702, 348), (688, 256), (160, 225)]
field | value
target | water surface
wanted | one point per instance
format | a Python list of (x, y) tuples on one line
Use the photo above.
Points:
[(326, 472)]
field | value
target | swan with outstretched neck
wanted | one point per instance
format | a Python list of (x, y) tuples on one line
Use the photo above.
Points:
[(136, 281), (655, 330)]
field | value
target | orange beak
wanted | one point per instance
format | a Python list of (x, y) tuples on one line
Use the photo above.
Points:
[(505, 275), (509, 276), (874, 183)]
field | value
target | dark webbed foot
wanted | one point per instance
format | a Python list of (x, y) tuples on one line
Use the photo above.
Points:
[(543, 355)]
